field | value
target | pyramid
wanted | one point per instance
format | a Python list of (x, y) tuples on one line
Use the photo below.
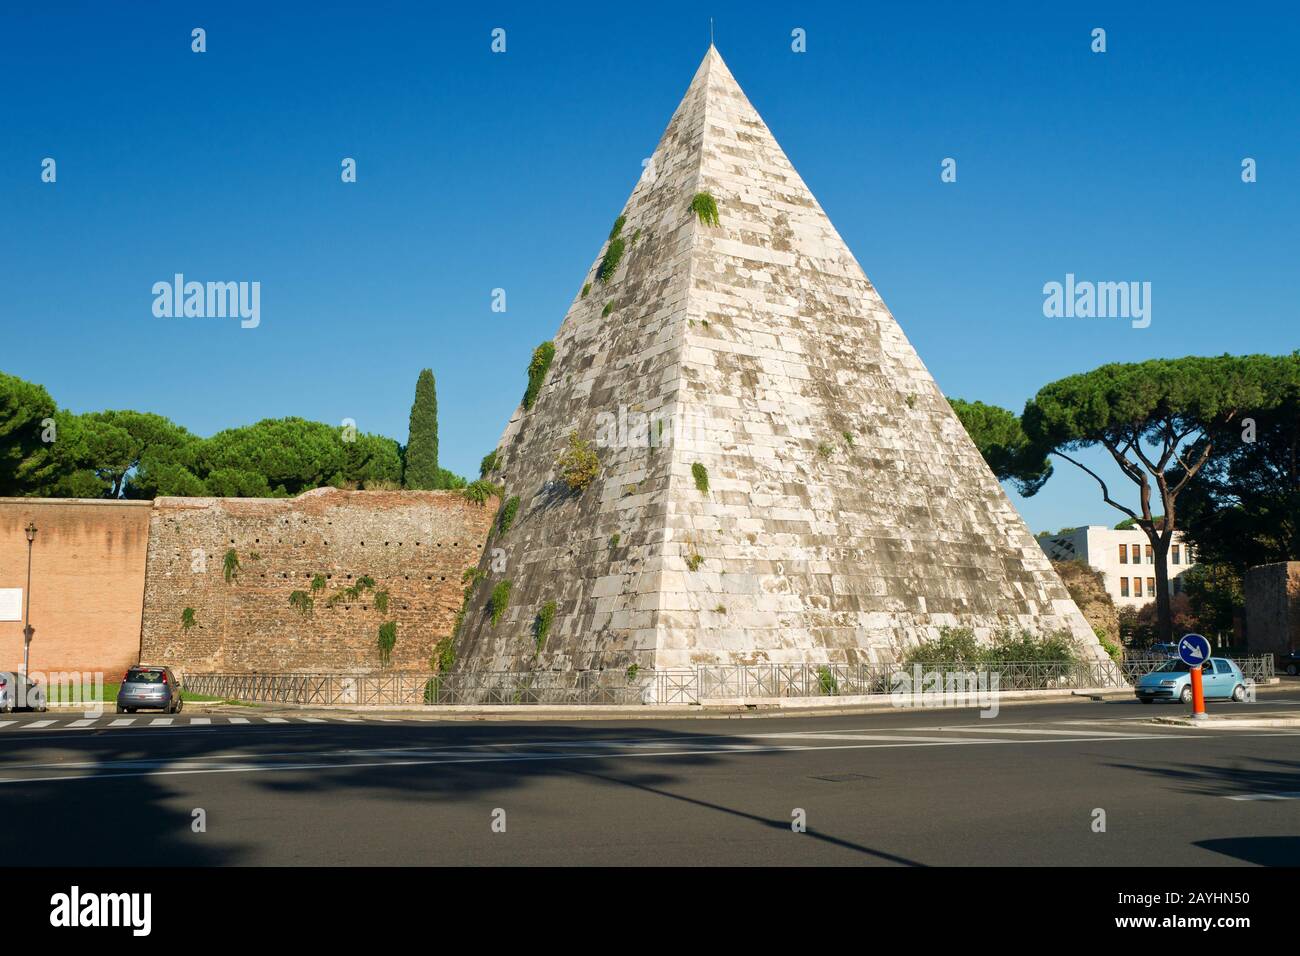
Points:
[(847, 515)]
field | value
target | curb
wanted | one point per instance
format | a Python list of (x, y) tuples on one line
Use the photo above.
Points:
[(1229, 723)]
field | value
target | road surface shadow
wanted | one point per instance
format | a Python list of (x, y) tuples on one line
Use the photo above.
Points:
[(132, 809), (644, 784), (1261, 851), (1257, 776)]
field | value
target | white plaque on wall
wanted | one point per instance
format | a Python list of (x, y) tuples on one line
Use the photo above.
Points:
[(11, 604)]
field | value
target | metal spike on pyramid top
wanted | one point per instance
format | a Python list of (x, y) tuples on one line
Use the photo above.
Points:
[(780, 478)]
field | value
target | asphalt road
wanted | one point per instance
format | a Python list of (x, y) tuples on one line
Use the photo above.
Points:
[(905, 788)]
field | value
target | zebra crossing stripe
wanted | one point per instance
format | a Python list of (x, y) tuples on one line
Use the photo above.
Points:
[(84, 722), (238, 720), (275, 720), (313, 720), (123, 722), (200, 721), (160, 722), (38, 724)]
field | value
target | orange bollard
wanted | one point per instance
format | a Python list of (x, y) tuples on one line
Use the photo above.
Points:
[(1198, 693)]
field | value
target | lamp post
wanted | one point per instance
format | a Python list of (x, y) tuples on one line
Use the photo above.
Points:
[(28, 630)]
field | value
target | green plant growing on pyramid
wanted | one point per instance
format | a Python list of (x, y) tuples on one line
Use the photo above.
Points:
[(578, 464), (499, 601), (538, 366), (706, 207), (508, 512), (609, 265), (701, 476), (230, 566), (187, 618), (542, 624)]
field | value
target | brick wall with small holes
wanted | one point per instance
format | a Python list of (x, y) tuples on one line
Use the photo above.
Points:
[(236, 564)]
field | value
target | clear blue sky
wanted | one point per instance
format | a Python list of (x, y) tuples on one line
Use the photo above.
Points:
[(479, 171)]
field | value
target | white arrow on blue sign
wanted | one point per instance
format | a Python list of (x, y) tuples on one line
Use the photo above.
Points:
[(1193, 649)]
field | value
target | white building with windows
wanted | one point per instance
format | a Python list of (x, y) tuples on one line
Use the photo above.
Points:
[(1125, 559)]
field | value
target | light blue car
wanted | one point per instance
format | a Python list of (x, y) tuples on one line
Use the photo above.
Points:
[(1221, 679)]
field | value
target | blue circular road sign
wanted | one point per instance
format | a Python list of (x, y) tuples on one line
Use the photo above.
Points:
[(1193, 650)]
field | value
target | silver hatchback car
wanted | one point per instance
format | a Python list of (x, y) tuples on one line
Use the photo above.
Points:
[(146, 687)]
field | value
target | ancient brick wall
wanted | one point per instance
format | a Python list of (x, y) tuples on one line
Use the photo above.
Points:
[(1273, 608), (414, 545), (88, 564)]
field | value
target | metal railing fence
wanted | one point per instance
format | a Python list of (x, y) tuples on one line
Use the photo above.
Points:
[(686, 686)]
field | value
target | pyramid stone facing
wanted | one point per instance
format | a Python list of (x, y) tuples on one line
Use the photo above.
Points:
[(753, 348)]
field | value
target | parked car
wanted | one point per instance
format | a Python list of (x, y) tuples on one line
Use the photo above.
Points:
[(33, 697), (1221, 679), (1164, 650), (1289, 663), (149, 687)]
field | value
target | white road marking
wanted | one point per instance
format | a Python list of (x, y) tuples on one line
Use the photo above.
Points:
[(275, 720), (1284, 795), (123, 722), (238, 720), (84, 722), (38, 724), (161, 722), (200, 721), (1081, 732), (313, 720), (900, 738), (6, 723)]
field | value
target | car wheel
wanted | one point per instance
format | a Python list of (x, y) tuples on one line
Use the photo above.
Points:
[(180, 704), (1239, 693), (121, 709), (1292, 669), (1186, 695)]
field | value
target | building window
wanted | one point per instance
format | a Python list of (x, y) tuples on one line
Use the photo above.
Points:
[(1137, 554), (1150, 556), (1137, 587), (1123, 554), (1151, 586), (1123, 587), (1178, 585), (1177, 556)]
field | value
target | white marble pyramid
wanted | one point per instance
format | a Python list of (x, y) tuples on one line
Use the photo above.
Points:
[(847, 514)]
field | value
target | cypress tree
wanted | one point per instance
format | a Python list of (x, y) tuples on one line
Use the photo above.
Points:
[(422, 444)]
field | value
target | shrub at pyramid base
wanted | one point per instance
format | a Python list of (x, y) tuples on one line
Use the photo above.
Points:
[(779, 479)]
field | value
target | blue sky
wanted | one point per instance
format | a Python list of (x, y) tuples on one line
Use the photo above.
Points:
[(478, 171)]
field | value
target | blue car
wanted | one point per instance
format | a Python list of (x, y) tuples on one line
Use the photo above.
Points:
[(1221, 679)]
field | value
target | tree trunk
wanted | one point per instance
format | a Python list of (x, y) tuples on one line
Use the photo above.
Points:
[(1164, 604)]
